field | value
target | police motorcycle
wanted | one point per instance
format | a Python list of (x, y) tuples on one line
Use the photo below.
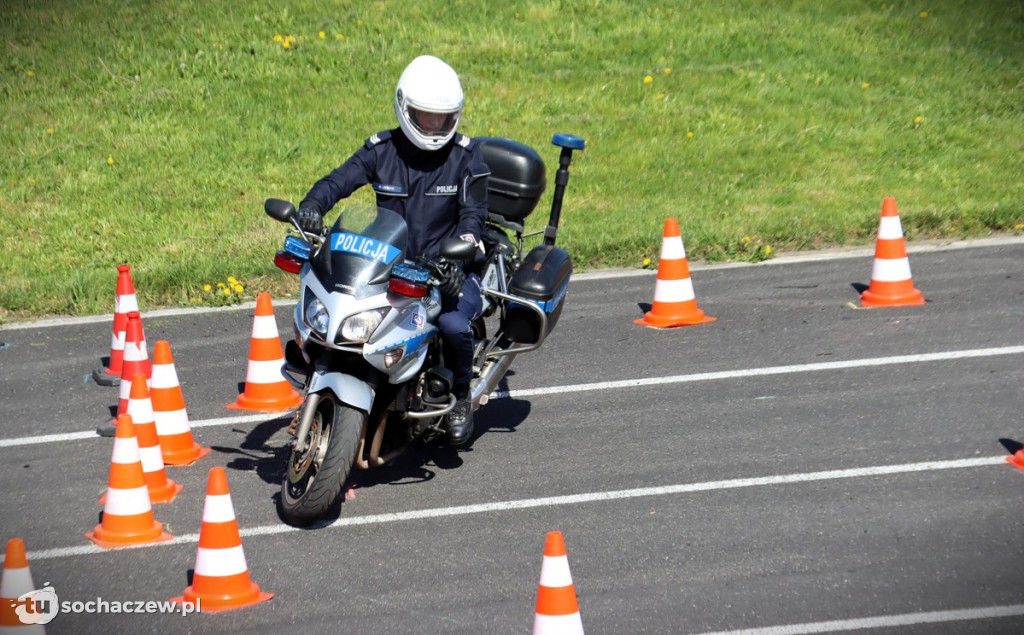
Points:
[(366, 350)]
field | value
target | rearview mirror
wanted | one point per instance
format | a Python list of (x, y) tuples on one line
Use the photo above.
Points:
[(458, 249), (279, 210)]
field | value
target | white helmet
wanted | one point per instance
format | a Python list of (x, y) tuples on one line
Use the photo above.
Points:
[(428, 102)]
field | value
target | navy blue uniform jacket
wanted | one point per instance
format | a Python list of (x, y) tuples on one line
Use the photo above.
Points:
[(430, 189)]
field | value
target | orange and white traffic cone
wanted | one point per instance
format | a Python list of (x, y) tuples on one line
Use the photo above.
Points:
[(557, 611), (136, 360), (17, 613), (176, 443), (674, 301), (127, 512), (266, 389), (220, 580), (140, 407), (891, 282), (124, 301)]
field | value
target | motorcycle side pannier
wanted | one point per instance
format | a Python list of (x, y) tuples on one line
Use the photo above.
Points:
[(542, 278), (517, 177)]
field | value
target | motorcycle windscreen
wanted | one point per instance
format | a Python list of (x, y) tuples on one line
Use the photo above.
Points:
[(361, 258)]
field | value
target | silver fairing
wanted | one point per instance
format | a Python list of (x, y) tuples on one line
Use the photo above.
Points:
[(398, 345)]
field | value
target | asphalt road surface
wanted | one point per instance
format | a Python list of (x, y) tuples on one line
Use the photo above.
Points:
[(797, 466)]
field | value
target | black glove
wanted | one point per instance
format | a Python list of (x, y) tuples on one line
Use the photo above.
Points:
[(310, 220), (450, 279)]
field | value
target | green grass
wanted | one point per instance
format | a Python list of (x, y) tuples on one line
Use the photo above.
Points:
[(763, 124)]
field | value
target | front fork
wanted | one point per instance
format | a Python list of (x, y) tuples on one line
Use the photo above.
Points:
[(305, 421), (347, 389)]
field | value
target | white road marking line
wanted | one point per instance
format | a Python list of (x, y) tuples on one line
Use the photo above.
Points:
[(885, 621), (626, 383), (796, 257), (773, 370), (556, 501), (91, 434)]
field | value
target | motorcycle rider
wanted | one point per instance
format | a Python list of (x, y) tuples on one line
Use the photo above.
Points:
[(432, 176)]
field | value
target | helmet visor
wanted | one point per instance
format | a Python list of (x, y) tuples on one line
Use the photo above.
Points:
[(432, 124)]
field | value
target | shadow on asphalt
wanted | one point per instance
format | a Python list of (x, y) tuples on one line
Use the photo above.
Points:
[(257, 453), (1012, 446)]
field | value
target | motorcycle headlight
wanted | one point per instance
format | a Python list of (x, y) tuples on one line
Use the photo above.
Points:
[(317, 317), (359, 327)]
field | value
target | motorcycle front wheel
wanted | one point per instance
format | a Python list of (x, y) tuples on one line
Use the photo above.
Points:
[(317, 474)]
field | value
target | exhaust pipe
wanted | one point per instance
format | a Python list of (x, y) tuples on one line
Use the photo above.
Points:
[(495, 369)]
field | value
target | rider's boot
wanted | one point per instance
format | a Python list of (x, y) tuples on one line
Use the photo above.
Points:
[(459, 421)]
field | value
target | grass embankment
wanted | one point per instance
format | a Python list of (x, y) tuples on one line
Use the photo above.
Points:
[(151, 132)]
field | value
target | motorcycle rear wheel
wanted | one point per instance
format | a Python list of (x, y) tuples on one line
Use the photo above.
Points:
[(316, 476)]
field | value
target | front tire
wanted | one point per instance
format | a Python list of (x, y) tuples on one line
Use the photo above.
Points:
[(316, 476)]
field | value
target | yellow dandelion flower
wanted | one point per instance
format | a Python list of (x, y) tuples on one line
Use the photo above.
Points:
[(648, 79), (278, 38), (359, 23), (110, 160), (746, 239), (232, 280), (207, 287), (1019, 226), (321, 35), (238, 288), (49, 131), (287, 44), (865, 85), (490, 131), (647, 261), (661, 95), (689, 135), (923, 14), (220, 285), (668, 70), (767, 250), (918, 119), (339, 36), (226, 291), (30, 73)]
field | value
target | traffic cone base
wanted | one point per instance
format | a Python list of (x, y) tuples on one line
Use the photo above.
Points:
[(188, 456), (877, 295), (217, 604), (1016, 459), (220, 579), (266, 389), (120, 532), (104, 377), (674, 301), (285, 401), (891, 281)]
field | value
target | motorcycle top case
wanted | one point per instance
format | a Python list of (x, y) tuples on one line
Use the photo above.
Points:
[(542, 278), (517, 177)]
